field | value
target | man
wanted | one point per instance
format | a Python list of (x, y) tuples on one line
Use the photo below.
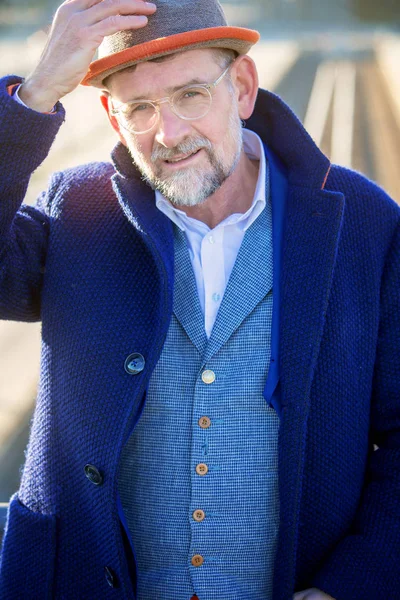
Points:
[(218, 413)]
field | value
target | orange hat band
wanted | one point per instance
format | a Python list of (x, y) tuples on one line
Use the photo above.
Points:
[(234, 38)]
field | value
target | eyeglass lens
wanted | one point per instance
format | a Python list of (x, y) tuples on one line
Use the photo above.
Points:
[(190, 103)]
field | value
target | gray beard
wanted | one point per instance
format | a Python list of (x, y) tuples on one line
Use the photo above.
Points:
[(190, 187)]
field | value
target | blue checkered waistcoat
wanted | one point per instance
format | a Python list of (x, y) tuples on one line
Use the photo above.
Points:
[(159, 486)]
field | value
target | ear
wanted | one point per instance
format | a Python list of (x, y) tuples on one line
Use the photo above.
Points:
[(105, 101), (245, 79)]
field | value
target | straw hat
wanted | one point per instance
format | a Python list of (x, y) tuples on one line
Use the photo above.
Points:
[(176, 25)]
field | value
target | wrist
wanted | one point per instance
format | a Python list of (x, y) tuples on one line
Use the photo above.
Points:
[(35, 96)]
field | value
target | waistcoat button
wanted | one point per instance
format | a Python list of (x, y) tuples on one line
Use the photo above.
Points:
[(93, 474), (199, 515), (197, 560), (201, 469), (204, 422), (134, 364), (208, 376), (110, 576)]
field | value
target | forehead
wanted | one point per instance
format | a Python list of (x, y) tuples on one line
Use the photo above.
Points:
[(151, 79)]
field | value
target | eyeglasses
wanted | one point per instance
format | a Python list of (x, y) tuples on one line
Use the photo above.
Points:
[(191, 102)]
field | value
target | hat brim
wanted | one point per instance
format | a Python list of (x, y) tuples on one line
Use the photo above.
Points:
[(233, 38)]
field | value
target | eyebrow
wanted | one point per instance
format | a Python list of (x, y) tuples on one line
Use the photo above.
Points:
[(170, 90)]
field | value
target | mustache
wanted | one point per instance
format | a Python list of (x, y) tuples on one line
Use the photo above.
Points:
[(188, 146)]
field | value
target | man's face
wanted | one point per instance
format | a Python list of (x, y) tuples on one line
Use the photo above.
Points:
[(187, 161)]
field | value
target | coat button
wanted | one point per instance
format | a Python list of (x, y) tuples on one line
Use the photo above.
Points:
[(197, 560), (201, 469), (199, 515), (111, 577), (134, 364), (208, 376), (204, 422), (93, 474)]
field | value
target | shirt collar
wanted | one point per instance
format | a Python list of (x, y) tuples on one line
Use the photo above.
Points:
[(254, 149)]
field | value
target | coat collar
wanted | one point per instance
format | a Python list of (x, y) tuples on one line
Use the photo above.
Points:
[(283, 133)]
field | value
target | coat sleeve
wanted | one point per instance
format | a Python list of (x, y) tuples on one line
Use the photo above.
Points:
[(366, 564), (26, 137)]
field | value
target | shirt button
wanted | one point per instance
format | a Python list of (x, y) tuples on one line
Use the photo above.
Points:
[(201, 469), (211, 239), (216, 297), (93, 474), (134, 364), (199, 515), (197, 560), (204, 422), (208, 376)]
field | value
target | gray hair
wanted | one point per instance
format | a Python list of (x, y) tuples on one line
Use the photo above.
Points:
[(224, 56)]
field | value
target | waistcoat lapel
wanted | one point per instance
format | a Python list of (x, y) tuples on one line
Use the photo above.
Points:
[(249, 283), (187, 307)]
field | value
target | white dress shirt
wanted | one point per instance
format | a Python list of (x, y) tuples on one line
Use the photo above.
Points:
[(213, 251)]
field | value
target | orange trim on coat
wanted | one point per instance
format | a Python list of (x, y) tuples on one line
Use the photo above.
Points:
[(326, 177), (12, 87), (169, 44)]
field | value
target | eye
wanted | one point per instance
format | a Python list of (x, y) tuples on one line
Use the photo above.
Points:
[(133, 109), (140, 107), (191, 94)]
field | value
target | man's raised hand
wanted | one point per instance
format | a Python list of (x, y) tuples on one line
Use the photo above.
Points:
[(78, 29)]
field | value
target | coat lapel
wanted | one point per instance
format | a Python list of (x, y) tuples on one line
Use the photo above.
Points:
[(311, 238), (187, 307), (249, 283), (278, 193), (309, 244), (137, 201)]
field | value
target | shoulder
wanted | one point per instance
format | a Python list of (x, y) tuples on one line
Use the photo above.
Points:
[(85, 190), (90, 174), (369, 210), (362, 192), (93, 178)]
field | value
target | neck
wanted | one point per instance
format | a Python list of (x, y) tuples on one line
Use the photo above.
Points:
[(234, 196)]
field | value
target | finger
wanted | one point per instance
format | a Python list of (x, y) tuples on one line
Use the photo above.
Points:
[(72, 9), (73, 6), (300, 595), (80, 4), (109, 8), (117, 23)]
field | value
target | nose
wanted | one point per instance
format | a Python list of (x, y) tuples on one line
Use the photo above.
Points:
[(171, 129)]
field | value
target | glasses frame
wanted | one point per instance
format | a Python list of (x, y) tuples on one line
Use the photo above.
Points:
[(116, 110)]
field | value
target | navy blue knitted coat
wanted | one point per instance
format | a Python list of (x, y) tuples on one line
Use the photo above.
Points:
[(94, 262)]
